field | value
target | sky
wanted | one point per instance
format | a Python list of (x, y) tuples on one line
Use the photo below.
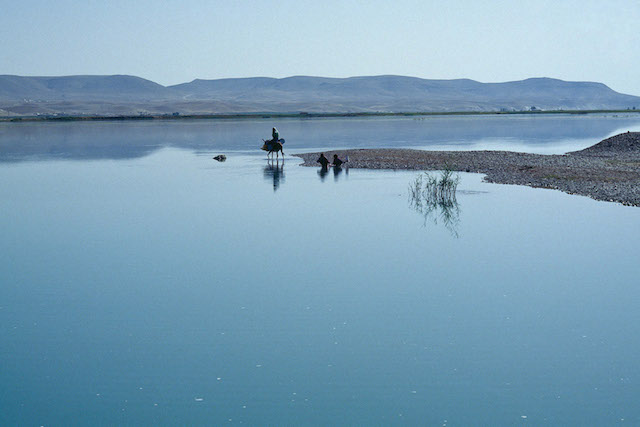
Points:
[(173, 42)]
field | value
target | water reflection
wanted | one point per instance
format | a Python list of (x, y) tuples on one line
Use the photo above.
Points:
[(448, 213), (445, 210), (274, 171), (322, 173), (337, 172), (126, 140)]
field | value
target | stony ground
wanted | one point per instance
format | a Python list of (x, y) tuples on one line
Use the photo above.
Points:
[(609, 170)]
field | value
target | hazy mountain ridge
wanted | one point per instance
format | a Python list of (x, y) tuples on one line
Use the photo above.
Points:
[(122, 94), (79, 87)]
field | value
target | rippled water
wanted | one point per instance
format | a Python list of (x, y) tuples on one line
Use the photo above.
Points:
[(142, 282)]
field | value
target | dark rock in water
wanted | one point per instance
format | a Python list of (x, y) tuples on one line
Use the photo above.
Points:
[(220, 157)]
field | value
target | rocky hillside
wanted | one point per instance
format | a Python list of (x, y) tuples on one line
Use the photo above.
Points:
[(120, 94)]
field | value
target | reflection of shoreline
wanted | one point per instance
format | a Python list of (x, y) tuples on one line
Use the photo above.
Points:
[(122, 139)]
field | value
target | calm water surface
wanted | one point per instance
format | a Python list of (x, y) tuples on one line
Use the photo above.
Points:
[(141, 282)]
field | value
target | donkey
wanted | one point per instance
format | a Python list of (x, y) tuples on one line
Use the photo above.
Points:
[(273, 147)]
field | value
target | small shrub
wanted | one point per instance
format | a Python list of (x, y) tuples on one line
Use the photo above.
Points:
[(430, 194), (440, 190)]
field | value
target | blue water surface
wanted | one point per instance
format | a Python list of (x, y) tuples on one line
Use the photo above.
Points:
[(142, 282)]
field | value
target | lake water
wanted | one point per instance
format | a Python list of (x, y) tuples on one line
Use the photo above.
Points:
[(141, 282)]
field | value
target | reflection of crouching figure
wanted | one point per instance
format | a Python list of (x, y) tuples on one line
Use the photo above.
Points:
[(323, 161)]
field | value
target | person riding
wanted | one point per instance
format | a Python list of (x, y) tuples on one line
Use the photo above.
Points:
[(269, 144), (336, 161)]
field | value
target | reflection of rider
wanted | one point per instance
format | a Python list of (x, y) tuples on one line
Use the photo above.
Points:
[(275, 172)]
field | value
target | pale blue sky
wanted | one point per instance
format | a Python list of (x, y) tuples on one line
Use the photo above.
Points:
[(173, 42)]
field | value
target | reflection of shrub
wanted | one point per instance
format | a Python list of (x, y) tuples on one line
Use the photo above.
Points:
[(429, 194)]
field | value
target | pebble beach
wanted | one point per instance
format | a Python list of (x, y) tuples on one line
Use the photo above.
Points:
[(607, 171)]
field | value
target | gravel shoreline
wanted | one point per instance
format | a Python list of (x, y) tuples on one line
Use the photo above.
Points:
[(608, 171)]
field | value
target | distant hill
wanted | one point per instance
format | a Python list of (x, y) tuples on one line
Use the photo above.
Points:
[(79, 88), (121, 94)]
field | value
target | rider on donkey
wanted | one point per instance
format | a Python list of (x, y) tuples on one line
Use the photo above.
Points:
[(275, 136), (274, 144)]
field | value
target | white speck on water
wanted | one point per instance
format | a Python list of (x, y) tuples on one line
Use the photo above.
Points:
[(140, 388), (244, 406), (155, 404), (258, 366), (413, 391), (335, 342), (523, 416), (584, 336), (199, 399), (97, 394), (218, 378)]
